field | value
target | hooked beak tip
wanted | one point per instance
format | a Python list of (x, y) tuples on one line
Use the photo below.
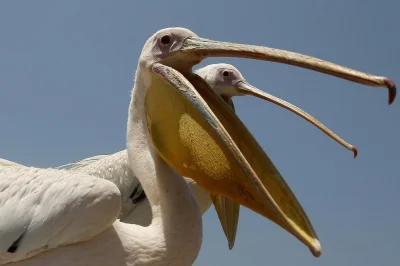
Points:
[(355, 151), (392, 90)]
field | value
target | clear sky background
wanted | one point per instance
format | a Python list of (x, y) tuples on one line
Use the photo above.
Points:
[(66, 71)]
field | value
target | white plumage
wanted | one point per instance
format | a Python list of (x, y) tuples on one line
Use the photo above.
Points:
[(44, 208), (114, 167)]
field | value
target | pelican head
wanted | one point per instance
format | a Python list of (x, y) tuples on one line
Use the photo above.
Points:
[(223, 78), (227, 81), (198, 134)]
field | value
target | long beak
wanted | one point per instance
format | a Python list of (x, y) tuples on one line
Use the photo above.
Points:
[(245, 88), (203, 48), (200, 136)]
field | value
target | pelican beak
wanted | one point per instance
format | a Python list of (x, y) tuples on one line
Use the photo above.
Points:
[(199, 135), (244, 88), (202, 48), (228, 210)]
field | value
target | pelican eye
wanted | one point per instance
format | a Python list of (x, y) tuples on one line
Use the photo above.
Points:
[(225, 73), (165, 40)]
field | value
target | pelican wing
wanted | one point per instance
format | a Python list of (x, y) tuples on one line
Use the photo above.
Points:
[(41, 209), (114, 167)]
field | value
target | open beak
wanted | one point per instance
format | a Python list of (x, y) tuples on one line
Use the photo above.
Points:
[(199, 135), (244, 88), (203, 48)]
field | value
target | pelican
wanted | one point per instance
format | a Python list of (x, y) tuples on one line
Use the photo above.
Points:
[(177, 126), (227, 81)]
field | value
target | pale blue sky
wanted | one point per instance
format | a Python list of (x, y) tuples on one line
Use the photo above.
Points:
[(66, 71)]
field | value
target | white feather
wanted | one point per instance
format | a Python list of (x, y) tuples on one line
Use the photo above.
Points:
[(47, 208)]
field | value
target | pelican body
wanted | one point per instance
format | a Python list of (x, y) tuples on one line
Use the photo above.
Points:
[(177, 126)]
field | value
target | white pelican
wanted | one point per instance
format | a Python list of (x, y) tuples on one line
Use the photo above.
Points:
[(227, 81), (177, 126)]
